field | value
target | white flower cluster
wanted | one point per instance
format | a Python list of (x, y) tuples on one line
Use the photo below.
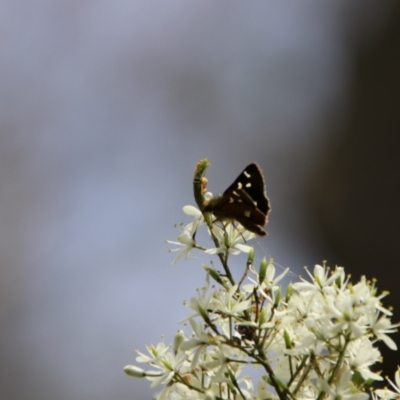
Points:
[(317, 341), (229, 238)]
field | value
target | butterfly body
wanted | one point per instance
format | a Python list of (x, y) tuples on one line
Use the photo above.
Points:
[(245, 201)]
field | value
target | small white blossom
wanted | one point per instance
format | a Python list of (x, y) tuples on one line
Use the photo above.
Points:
[(390, 394), (380, 327), (361, 356), (231, 303), (321, 279), (186, 238), (201, 304), (230, 239), (165, 364), (269, 285), (156, 353), (385, 394), (343, 390), (200, 337)]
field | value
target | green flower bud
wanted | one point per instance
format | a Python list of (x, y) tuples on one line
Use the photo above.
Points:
[(136, 372), (289, 292), (250, 257), (263, 270), (288, 341), (214, 274), (278, 297), (262, 317)]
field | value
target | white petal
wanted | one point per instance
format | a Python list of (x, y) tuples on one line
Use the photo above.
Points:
[(243, 247), (388, 341), (193, 211)]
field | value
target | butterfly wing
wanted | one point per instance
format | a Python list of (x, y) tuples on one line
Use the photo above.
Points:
[(244, 201)]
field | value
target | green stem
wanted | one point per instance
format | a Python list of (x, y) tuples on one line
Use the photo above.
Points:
[(283, 393), (337, 367), (303, 377)]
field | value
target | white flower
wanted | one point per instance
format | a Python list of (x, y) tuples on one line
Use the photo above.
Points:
[(231, 303), (186, 238), (155, 354), (321, 279), (361, 356), (343, 390), (389, 394), (201, 304), (200, 337), (269, 285), (397, 379), (165, 363), (380, 327), (230, 239), (385, 394)]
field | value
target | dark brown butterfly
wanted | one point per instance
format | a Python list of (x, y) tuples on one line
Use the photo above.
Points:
[(245, 201)]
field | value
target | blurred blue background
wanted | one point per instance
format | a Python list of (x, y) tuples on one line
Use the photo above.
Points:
[(106, 107)]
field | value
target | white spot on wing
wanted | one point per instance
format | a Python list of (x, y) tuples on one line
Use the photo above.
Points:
[(235, 193), (239, 186), (248, 184), (246, 174), (231, 200), (247, 214)]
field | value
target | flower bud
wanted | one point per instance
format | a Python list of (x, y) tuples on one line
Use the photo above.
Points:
[(288, 341), (214, 274), (250, 257), (178, 340), (262, 317), (289, 293), (263, 270), (134, 371), (278, 296)]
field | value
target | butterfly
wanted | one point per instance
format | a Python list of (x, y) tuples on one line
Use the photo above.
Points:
[(245, 201)]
